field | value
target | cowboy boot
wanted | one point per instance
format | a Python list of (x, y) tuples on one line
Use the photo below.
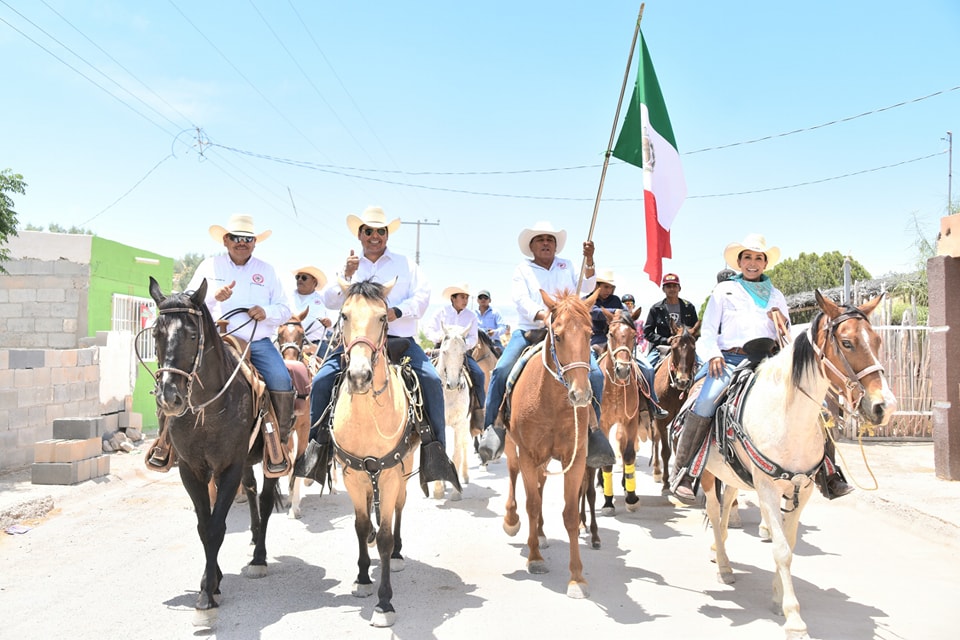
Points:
[(275, 460), (830, 480), (491, 443), (434, 463), (160, 457), (695, 429), (315, 461), (599, 452)]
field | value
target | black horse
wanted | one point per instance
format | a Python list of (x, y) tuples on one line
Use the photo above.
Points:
[(208, 408)]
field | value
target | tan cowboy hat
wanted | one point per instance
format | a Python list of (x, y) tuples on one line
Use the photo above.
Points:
[(455, 289), (607, 277), (313, 271), (372, 217), (753, 242), (240, 224), (540, 228)]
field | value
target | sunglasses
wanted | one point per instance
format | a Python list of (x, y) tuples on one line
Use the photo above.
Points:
[(368, 231), (303, 277), (243, 239), (483, 297)]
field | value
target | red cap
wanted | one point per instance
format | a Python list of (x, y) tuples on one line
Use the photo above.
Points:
[(670, 278)]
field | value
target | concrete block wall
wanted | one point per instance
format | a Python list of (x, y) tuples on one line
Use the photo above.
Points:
[(38, 386), (43, 304)]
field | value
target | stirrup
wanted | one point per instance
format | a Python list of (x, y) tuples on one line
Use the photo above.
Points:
[(156, 461)]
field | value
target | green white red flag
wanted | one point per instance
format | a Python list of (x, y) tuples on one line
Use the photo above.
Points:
[(646, 140)]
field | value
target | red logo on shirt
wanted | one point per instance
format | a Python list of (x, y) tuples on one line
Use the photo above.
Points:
[(562, 265), (257, 278)]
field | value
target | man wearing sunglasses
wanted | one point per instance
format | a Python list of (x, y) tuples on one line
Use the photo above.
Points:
[(408, 301), (310, 282), (238, 280)]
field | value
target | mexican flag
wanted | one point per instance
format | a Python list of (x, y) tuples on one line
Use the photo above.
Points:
[(646, 140)]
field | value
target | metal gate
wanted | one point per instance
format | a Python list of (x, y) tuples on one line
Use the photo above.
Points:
[(131, 313)]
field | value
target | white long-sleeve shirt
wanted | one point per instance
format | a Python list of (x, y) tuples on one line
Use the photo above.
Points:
[(733, 318), (257, 285), (411, 293), (529, 278), (313, 300), (450, 317)]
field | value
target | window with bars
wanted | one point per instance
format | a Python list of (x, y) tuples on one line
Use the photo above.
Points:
[(133, 314)]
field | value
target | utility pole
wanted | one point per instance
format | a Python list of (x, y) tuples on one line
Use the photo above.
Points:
[(950, 172), (418, 223)]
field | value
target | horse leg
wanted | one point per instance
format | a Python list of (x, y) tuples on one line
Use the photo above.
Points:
[(719, 527), (511, 521), (258, 565), (591, 499), (655, 461), (572, 482), (663, 430), (783, 530), (384, 615), (363, 587), (249, 483), (629, 454), (733, 518), (534, 503), (606, 476)]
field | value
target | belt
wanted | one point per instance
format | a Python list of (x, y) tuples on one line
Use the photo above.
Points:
[(735, 350)]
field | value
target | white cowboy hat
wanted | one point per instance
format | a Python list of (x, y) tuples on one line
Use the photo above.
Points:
[(313, 271), (540, 228), (240, 224), (372, 217), (606, 276), (455, 289), (753, 242)]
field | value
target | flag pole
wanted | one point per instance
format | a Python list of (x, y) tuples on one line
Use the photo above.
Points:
[(613, 134)]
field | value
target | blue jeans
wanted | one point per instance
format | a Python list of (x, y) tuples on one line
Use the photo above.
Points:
[(269, 362), (476, 378), (706, 403), (322, 388), (648, 374), (511, 353)]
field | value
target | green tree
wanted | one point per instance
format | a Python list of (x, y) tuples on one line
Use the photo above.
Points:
[(59, 228), (10, 182), (811, 271), (32, 227), (184, 268)]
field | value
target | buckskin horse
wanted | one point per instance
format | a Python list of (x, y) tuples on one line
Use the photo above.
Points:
[(776, 441), (672, 381), (372, 438), (213, 417), (547, 417)]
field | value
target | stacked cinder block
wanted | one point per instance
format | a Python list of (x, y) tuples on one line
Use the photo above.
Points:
[(75, 454)]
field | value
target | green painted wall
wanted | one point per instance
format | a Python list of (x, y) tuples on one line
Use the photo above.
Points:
[(114, 269)]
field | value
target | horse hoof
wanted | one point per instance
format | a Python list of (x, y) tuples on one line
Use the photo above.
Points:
[(383, 618), (456, 496), (362, 590), (294, 514), (372, 538), (538, 567), (397, 565), (726, 577), (765, 534), (608, 511), (254, 571), (511, 529), (578, 590), (543, 542), (205, 617), (595, 544), (632, 503), (658, 477)]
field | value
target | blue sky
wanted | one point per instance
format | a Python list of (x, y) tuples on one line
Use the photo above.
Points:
[(372, 103)]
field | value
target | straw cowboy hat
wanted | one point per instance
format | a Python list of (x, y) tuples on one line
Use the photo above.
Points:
[(240, 224), (313, 271), (540, 228), (607, 277), (455, 289), (372, 217), (753, 242)]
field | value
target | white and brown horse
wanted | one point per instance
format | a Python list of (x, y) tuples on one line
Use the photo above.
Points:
[(450, 364), (779, 442)]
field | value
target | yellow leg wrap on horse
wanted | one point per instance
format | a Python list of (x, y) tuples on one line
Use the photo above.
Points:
[(608, 484), (630, 478)]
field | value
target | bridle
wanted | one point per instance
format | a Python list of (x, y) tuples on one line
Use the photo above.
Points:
[(378, 350), (850, 388), (298, 346), (561, 368), (672, 370)]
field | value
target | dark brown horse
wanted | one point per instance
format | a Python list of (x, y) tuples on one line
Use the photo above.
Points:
[(547, 418), (210, 411), (672, 382)]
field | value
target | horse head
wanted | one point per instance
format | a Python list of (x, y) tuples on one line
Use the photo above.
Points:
[(453, 352), (179, 333), (683, 355), (568, 343), (291, 336), (363, 318), (849, 350), (621, 343)]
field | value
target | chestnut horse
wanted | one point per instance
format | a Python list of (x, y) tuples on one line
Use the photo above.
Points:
[(778, 440), (210, 411), (372, 438), (547, 417), (673, 379)]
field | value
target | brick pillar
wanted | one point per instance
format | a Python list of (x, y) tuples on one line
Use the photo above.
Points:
[(943, 282)]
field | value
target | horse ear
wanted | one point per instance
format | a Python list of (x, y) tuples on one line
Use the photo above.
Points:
[(695, 329), (344, 285), (155, 292), (674, 329), (200, 294), (636, 313), (609, 314), (868, 306), (303, 314), (592, 298), (827, 305), (547, 300), (465, 331), (387, 286)]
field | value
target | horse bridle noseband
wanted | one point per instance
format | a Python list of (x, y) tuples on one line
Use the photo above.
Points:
[(561, 368), (851, 379), (293, 345)]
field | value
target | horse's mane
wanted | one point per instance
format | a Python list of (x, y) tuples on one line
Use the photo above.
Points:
[(570, 303), (485, 339), (625, 318), (367, 289)]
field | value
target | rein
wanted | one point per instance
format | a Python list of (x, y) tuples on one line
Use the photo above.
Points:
[(612, 353), (561, 368), (851, 379)]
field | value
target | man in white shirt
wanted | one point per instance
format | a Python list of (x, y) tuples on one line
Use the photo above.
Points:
[(310, 281), (456, 315), (542, 270), (408, 301)]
